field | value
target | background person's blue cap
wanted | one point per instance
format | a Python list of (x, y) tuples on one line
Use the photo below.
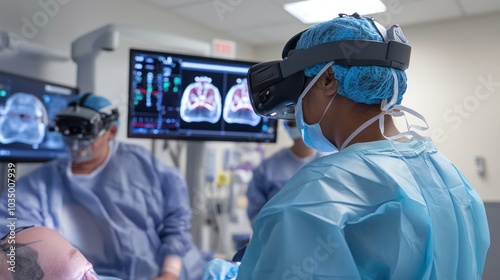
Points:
[(94, 102), (97, 103), (362, 84)]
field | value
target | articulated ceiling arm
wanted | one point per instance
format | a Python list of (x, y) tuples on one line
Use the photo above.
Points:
[(85, 49)]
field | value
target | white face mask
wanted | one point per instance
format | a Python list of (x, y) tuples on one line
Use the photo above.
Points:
[(82, 155), (81, 149)]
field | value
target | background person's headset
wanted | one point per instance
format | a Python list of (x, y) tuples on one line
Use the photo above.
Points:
[(275, 86), (80, 122)]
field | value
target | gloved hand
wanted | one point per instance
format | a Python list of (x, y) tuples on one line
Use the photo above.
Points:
[(218, 269)]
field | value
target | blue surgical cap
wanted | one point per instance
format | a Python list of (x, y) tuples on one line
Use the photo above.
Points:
[(93, 102), (362, 84)]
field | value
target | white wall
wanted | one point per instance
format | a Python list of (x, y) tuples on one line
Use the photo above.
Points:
[(450, 63), (449, 66)]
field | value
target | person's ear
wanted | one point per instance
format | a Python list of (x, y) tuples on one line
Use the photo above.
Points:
[(112, 131), (329, 83)]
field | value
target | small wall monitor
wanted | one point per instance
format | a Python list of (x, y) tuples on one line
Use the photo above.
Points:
[(184, 97), (27, 110)]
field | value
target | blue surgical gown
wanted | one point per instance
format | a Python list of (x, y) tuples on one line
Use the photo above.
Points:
[(125, 217), (271, 176), (378, 210)]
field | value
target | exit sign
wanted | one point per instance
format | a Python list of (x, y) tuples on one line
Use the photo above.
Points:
[(223, 49)]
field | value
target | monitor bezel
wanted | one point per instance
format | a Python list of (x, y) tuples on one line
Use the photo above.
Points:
[(17, 159), (218, 138)]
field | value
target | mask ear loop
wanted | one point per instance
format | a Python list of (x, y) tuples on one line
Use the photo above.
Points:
[(398, 111), (388, 108), (313, 81)]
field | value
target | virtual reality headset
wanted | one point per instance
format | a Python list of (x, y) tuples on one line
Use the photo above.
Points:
[(275, 86), (80, 122)]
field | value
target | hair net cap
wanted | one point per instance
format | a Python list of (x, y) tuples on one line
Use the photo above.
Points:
[(93, 102), (362, 84), (98, 103)]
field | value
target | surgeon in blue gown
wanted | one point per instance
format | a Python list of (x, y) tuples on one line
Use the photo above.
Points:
[(388, 205), (274, 172), (126, 211)]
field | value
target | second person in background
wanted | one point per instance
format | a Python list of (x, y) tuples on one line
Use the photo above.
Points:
[(126, 211), (274, 172)]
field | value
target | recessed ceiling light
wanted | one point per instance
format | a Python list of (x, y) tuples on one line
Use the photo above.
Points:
[(314, 11)]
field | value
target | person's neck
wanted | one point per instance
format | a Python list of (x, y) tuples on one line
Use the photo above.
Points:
[(301, 150), (83, 167), (89, 166), (373, 133)]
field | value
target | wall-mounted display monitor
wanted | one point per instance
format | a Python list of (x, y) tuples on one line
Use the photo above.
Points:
[(184, 97), (27, 109)]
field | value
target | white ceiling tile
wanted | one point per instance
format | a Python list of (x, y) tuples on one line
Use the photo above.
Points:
[(475, 7), (416, 12), (283, 2), (176, 3), (269, 35), (261, 22), (224, 17)]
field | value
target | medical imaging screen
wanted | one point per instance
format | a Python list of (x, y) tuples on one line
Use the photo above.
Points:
[(174, 96), (27, 110)]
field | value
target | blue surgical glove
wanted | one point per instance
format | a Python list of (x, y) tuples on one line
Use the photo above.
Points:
[(218, 269)]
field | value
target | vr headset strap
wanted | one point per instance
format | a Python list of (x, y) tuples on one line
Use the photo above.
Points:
[(83, 99), (349, 52)]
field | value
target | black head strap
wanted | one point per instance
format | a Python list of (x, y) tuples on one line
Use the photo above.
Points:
[(81, 101), (393, 52)]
